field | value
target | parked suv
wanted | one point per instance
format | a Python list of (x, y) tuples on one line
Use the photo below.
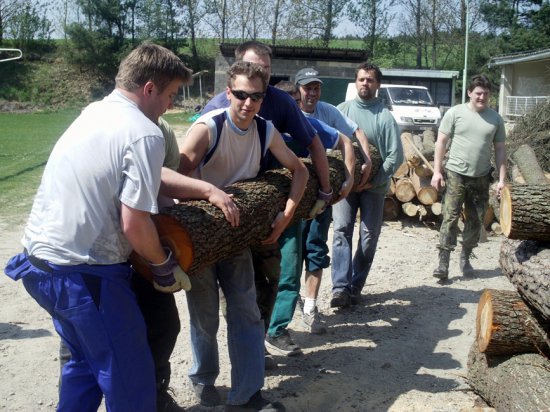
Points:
[(411, 106)]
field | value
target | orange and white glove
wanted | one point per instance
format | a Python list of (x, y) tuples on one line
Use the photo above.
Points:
[(323, 199), (168, 276)]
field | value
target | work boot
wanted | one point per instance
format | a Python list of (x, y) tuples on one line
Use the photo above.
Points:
[(442, 271), (465, 265)]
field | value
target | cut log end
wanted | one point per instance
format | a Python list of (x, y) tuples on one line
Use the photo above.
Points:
[(484, 321), (506, 210)]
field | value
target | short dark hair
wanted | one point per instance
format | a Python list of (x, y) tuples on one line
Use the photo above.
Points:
[(249, 70), (150, 62), (259, 48), (287, 86), (368, 67), (479, 80)]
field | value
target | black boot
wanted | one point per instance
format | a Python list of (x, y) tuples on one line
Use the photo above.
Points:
[(442, 271), (465, 265)]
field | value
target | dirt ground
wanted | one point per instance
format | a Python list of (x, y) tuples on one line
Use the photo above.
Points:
[(404, 348)]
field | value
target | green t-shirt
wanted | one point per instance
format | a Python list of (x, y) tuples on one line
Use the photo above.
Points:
[(472, 137), (172, 152), (382, 132)]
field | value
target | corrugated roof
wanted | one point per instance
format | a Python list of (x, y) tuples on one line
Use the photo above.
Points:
[(300, 52), (432, 74), (520, 57)]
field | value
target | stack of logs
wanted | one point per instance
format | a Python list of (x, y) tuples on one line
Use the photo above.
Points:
[(411, 192), (509, 362)]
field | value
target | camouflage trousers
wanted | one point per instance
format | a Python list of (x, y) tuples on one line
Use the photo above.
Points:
[(468, 195)]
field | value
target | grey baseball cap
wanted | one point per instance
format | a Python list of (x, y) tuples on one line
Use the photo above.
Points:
[(307, 75)]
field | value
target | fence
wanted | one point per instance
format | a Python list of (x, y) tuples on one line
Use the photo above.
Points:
[(521, 105)]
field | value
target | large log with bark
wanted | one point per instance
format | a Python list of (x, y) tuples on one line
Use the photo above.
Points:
[(526, 264), (201, 236), (511, 384), (525, 212), (526, 160), (505, 325)]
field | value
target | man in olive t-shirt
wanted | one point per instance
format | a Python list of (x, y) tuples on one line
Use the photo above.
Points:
[(472, 129)]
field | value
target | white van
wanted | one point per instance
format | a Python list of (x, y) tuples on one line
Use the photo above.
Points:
[(411, 106)]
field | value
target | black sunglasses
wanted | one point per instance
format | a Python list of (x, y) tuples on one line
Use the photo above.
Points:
[(255, 97)]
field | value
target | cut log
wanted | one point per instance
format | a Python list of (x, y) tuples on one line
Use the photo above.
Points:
[(505, 325), (428, 143), (402, 171), (528, 165), (423, 171), (425, 192), (525, 212), (527, 264), (404, 190), (516, 175), (437, 208), (409, 150), (391, 188), (391, 208), (496, 228), (494, 201), (409, 209), (489, 217), (405, 137), (418, 141), (511, 384), (201, 236)]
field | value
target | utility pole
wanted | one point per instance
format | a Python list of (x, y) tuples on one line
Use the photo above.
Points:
[(465, 72)]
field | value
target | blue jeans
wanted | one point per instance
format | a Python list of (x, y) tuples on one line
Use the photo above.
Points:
[(315, 237), (350, 275), (289, 281), (245, 329)]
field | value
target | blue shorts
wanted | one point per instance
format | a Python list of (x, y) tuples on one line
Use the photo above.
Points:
[(315, 237)]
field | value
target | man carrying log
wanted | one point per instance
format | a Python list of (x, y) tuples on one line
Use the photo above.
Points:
[(222, 147), (93, 207), (368, 111), (315, 230), (472, 129), (278, 107)]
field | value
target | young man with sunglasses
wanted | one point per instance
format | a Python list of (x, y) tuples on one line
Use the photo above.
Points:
[(269, 260), (222, 147)]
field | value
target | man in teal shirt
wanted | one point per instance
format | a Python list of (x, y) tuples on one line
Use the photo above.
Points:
[(368, 111), (473, 128)]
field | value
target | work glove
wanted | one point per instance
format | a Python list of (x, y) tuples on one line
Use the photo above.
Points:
[(168, 277), (320, 204)]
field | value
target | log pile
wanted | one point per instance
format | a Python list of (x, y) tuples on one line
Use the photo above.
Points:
[(411, 193), (509, 363)]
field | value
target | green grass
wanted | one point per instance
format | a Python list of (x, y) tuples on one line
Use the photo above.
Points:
[(26, 141)]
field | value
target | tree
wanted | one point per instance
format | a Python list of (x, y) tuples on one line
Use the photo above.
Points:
[(373, 18)]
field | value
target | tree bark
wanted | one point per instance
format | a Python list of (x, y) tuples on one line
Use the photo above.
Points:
[(200, 236), (527, 264), (505, 325), (525, 212), (528, 165), (494, 201), (512, 384)]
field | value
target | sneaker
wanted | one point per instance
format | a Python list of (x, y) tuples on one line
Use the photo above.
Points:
[(207, 395), (340, 299), (313, 324), (257, 404), (282, 344), (166, 403), (270, 363)]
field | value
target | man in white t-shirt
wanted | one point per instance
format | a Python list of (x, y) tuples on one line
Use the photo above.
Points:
[(94, 206)]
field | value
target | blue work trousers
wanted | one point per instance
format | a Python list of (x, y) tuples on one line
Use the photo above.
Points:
[(95, 312), (349, 274)]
